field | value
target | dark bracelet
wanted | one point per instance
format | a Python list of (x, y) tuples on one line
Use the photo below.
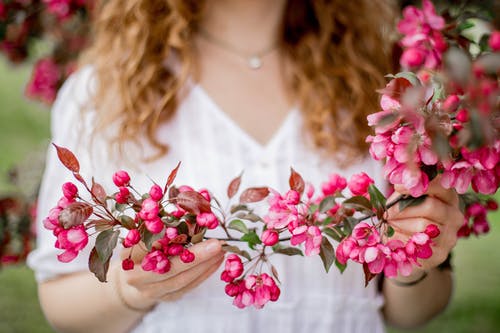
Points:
[(409, 283)]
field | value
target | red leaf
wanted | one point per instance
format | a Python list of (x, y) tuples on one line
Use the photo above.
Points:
[(233, 187), (253, 194), (67, 158), (193, 202), (98, 192), (368, 275), (96, 266), (75, 214), (171, 177), (396, 87), (296, 182), (179, 239), (173, 192)]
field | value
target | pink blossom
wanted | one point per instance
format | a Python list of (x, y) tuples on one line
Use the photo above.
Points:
[(413, 57), (154, 225), (204, 193), (311, 235), (335, 183), (149, 209), (187, 256), (121, 178), (156, 193), (156, 261), (208, 220), (462, 115), (416, 20), (365, 235), (174, 249), (451, 103), (60, 8), (359, 183), (44, 81), (269, 237), (283, 209), (69, 190), (494, 41), (133, 237), (233, 268), (71, 240), (122, 196)]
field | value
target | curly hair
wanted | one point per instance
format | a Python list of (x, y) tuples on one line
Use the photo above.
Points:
[(339, 52)]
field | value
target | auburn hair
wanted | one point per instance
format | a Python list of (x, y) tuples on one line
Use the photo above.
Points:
[(339, 52)]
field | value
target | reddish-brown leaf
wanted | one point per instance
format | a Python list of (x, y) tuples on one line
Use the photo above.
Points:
[(171, 177), (396, 87), (96, 266), (67, 158), (179, 239), (193, 202), (234, 186), (98, 192), (75, 214), (275, 273), (253, 194), (368, 275), (296, 181), (173, 192)]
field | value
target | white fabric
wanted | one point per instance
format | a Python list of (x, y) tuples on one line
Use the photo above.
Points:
[(213, 150)]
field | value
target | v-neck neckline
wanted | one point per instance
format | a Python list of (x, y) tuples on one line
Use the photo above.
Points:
[(218, 111)]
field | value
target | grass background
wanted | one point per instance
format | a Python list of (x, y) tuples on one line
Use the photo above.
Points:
[(24, 130)]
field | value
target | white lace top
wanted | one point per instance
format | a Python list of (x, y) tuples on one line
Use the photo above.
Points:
[(213, 150)]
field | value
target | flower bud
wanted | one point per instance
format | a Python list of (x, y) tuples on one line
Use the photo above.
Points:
[(270, 237), (412, 57), (494, 41), (208, 220), (156, 193), (155, 225), (359, 183), (122, 196), (175, 249), (133, 237), (187, 256), (451, 103), (462, 115), (432, 231), (69, 190), (127, 264), (121, 178)]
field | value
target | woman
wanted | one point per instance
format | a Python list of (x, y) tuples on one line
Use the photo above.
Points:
[(226, 86)]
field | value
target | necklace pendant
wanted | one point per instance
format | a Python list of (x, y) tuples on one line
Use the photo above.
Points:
[(254, 62)]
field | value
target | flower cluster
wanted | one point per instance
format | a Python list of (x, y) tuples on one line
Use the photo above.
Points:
[(475, 217), (64, 22)]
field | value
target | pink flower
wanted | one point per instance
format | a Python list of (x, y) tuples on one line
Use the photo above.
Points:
[(365, 235), (156, 193), (233, 268), (311, 235), (71, 240), (335, 183), (60, 8), (413, 57), (44, 81), (149, 209), (133, 237), (494, 41), (156, 261), (187, 256), (121, 178), (174, 249), (122, 196), (154, 225), (451, 103), (420, 21), (69, 190), (283, 209), (208, 220), (359, 183), (269, 237)]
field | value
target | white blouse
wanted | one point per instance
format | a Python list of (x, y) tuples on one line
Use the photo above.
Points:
[(213, 150)]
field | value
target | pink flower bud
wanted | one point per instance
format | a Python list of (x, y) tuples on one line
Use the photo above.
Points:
[(451, 103), (412, 57), (171, 232), (156, 193), (204, 193), (187, 256), (121, 178), (232, 289), (175, 249), (270, 237), (208, 220), (64, 202), (156, 261), (462, 115), (69, 190), (359, 183), (155, 225), (133, 237), (233, 268), (185, 188), (494, 41), (149, 209), (122, 196), (432, 231), (492, 205), (127, 264)]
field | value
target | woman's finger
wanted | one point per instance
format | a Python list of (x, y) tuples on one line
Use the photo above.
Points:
[(431, 208), (412, 225), (448, 196)]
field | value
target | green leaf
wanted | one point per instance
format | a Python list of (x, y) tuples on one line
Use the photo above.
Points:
[(349, 224), (149, 238), (336, 234), (236, 250), (238, 225), (411, 201), (289, 251), (326, 204), (251, 238), (327, 253), (340, 266), (120, 207), (377, 199), (98, 267), (237, 208), (127, 222), (358, 202), (197, 238), (465, 25), (390, 231), (105, 243)]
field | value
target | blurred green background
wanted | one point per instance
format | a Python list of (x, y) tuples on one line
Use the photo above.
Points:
[(24, 130)]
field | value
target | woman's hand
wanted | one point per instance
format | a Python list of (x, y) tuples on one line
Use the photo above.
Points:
[(145, 289), (439, 208)]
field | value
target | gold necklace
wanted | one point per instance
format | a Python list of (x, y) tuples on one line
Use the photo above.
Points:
[(253, 60)]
